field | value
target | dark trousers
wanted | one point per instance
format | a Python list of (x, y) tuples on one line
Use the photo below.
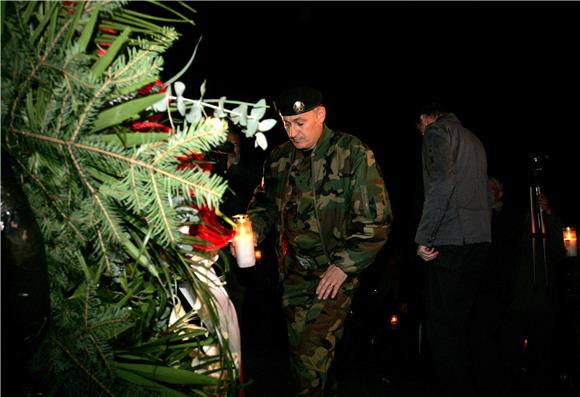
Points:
[(460, 323)]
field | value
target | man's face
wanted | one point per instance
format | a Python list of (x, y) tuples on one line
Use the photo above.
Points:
[(234, 158), (496, 191), (304, 129), (424, 121)]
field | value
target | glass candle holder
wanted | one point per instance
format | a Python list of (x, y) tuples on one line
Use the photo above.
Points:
[(570, 242), (244, 241)]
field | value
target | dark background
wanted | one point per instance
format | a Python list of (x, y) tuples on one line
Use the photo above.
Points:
[(509, 70)]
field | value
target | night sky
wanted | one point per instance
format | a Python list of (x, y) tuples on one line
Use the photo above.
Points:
[(508, 70)]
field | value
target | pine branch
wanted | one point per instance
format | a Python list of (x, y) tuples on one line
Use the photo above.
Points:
[(106, 198), (79, 364)]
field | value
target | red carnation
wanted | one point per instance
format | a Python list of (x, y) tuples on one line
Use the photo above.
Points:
[(144, 126), (155, 87), (209, 229)]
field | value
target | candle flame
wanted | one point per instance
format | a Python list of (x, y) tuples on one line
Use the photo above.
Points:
[(569, 234), (394, 321)]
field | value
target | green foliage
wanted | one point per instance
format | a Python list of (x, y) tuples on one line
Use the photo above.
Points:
[(107, 199)]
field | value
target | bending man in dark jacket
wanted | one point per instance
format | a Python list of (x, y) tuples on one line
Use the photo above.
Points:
[(324, 193), (453, 236)]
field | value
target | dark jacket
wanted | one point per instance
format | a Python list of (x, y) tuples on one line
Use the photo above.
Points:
[(456, 210)]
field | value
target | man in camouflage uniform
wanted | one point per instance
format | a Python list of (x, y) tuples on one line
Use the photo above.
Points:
[(324, 193)]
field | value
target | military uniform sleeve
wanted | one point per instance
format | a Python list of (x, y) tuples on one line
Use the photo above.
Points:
[(261, 208), (370, 216)]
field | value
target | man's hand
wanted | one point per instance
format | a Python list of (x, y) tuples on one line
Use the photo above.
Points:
[(544, 203), (330, 282), (426, 253)]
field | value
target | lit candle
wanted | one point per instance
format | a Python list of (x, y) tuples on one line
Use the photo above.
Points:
[(394, 321), (570, 241), (244, 241)]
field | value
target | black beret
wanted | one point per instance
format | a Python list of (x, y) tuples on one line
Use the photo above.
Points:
[(297, 100), (434, 107), (431, 108)]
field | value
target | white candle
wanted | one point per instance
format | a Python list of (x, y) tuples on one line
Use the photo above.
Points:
[(570, 241), (244, 241)]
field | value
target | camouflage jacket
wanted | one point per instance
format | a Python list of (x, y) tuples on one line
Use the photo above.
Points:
[(352, 207)]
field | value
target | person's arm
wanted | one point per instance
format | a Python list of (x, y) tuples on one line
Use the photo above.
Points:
[(262, 207), (554, 226), (370, 215), (438, 163)]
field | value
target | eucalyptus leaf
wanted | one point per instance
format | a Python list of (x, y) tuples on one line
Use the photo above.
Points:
[(259, 109), (244, 119), (266, 125), (219, 112), (239, 112), (251, 128), (194, 114), (261, 141), (181, 105), (179, 88)]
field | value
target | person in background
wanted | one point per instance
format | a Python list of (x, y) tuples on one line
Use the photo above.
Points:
[(506, 231), (26, 305), (242, 176), (324, 194), (527, 268), (453, 238)]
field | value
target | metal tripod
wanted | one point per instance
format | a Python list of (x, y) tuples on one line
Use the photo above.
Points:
[(538, 227)]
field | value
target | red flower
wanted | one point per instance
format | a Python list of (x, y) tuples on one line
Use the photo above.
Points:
[(209, 229), (144, 126), (102, 48), (154, 88), (109, 30), (193, 159), (70, 6)]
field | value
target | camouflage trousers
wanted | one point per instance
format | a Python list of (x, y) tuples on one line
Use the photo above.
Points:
[(314, 328)]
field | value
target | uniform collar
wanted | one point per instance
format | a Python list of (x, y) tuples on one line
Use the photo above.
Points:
[(323, 142)]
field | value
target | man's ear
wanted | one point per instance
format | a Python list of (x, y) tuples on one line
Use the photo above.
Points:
[(321, 114)]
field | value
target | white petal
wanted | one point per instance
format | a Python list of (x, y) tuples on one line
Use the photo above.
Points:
[(181, 105), (179, 88), (261, 140), (194, 113), (266, 125), (161, 106)]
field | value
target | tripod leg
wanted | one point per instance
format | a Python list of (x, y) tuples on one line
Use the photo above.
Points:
[(533, 225)]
